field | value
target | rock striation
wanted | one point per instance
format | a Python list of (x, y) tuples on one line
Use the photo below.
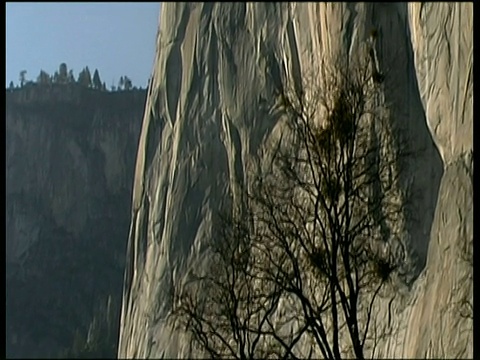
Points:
[(208, 116)]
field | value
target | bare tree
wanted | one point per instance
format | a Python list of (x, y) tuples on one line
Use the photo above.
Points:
[(313, 244)]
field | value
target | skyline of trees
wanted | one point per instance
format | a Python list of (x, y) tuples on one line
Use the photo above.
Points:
[(66, 76)]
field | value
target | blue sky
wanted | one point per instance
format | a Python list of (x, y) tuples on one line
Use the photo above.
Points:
[(116, 38)]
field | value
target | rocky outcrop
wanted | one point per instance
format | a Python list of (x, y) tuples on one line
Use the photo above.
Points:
[(439, 323), (209, 114), (70, 161)]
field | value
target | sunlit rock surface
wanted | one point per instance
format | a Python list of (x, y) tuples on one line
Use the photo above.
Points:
[(208, 113)]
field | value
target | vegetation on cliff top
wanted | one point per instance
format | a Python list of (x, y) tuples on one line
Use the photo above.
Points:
[(64, 76)]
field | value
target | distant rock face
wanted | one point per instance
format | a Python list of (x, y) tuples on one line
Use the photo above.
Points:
[(70, 163), (208, 114)]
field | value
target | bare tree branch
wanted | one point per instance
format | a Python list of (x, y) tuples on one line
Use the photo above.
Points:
[(319, 229)]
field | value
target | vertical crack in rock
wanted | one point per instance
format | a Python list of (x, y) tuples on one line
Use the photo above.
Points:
[(422, 172), (216, 72)]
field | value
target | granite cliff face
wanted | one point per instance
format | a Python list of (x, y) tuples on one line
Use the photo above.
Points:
[(70, 161), (208, 114)]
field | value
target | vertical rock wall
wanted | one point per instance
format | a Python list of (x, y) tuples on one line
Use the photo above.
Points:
[(70, 161), (209, 112)]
